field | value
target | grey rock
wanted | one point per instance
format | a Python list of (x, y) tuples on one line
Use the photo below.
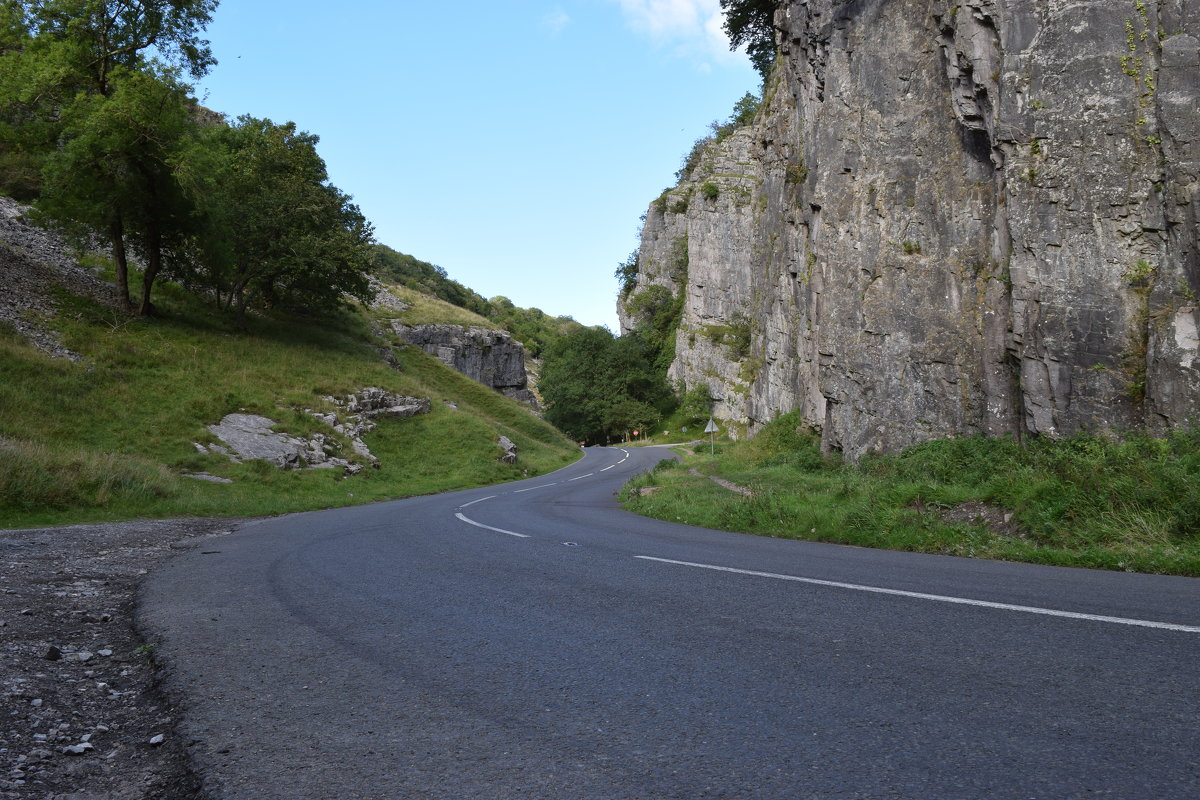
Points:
[(52, 653), (490, 357), (78, 749), (510, 450), (948, 219)]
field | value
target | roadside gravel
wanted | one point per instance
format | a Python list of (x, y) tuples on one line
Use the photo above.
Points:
[(81, 715)]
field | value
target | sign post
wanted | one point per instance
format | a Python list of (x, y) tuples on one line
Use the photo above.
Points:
[(711, 430)]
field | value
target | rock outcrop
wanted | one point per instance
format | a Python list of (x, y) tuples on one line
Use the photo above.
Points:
[(949, 218), (246, 437), (492, 358)]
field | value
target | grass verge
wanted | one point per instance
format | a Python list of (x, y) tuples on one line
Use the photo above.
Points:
[(110, 437), (1085, 501)]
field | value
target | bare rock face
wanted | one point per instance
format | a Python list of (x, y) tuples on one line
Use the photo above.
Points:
[(949, 218), (492, 358), (251, 436)]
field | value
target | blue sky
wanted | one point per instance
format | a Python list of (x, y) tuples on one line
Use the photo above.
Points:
[(515, 144)]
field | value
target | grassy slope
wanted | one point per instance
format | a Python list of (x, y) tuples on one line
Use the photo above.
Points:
[(109, 437), (1086, 501)]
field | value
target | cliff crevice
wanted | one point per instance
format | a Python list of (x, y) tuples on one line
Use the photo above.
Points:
[(948, 218)]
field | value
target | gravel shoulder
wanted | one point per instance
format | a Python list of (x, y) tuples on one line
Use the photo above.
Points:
[(81, 713)]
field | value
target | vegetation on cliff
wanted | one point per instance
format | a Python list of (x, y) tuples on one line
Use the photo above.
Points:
[(1087, 501)]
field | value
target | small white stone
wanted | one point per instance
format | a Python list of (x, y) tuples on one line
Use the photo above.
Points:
[(157, 739)]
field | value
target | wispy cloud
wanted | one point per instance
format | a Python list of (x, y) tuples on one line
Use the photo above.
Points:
[(556, 20), (692, 27)]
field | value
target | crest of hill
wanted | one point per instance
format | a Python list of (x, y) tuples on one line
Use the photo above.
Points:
[(436, 298)]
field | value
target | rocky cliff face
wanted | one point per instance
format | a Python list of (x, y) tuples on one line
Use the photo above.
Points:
[(492, 358), (949, 218)]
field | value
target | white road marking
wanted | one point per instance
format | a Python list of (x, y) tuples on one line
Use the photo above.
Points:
[(490, 528), (1170, 626), (606, 469), (531, 488), (581, 477), (480, 500)]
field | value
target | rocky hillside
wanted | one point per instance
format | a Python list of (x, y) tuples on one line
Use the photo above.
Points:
[(948, 218)]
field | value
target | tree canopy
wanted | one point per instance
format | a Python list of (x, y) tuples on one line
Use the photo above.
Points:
[(598, 387), (752, 23)]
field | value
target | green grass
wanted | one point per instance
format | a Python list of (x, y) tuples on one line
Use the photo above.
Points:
[(109, 437), (427, 310), (1086, 501)]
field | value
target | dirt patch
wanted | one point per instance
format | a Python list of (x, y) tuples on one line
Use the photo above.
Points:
[(995, 518), (81, 716), (724, 484)]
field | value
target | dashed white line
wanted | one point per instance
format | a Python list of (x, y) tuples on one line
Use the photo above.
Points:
[(606, 469), (581, 477), (470, 521), (480, 500), (531, 488), (1170, 626)]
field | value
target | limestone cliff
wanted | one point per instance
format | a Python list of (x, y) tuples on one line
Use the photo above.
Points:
[(948, 218), (492, 358)]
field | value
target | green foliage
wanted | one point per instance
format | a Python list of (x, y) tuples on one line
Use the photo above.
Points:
[(598, 387), (77, 92), (737, 336), (1132, 503), (114, 175), (744, 112), (430, 279), (1141, 273), (532, 327), (108, 438), (709, 190), (695, 404), (626, 273), (911, 248), (277, 233), (751, 23)]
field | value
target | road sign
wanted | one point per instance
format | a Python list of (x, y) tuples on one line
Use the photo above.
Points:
[(711, 430), (711, 427)]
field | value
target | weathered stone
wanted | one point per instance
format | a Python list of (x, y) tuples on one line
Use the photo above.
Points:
[(490, 357), (949, 218), (510, 450)]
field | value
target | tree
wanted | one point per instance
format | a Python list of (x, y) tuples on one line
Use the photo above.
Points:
[(752, 23), (56, 58), (597, 387), (276, 232), (115, 171)]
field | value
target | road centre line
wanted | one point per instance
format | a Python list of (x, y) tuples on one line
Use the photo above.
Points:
[(531, 488), (1170, 626), (480, 500), (581, 477), (606, 469), (490, 528)]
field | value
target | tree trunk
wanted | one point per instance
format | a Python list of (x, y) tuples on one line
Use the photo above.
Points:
[(117, 236), (153, 265)]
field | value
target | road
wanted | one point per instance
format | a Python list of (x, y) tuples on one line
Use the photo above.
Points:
[(532, 640)]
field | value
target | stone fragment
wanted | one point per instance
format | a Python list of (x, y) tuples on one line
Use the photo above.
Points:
[(52, 653)]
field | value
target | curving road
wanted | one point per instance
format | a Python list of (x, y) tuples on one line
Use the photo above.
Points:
[(532, 640)]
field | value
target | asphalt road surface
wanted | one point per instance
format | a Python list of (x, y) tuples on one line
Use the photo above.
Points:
[(532, 641)]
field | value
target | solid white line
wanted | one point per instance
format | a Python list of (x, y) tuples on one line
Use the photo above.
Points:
[(531, 488), (1170, 626), (606, 469), (490, 528), (581, 477), (480, 500)]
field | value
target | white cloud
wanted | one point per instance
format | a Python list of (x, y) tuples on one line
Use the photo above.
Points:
[(556, 20), (692, 27)]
